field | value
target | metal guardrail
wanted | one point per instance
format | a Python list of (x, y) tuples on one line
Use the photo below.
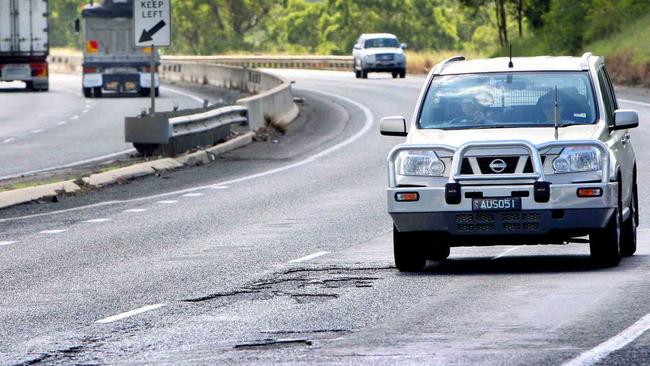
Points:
[(168, 135), (342, 63)]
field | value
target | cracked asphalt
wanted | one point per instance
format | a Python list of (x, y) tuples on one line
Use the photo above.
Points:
[(281, 253)]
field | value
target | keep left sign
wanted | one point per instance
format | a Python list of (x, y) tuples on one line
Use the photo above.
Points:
[(153, 24)]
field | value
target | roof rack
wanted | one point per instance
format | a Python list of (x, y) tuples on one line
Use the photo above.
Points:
[(584, 60), (438, 69)]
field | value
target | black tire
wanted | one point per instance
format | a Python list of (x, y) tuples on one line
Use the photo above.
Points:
[(88, 92), (402, 74), (29, 85), (97, 92), (407, 249), (146, 149), (357, 74), (364, 74), (628, 233), (438, 251), (395, 74), (605, 244)]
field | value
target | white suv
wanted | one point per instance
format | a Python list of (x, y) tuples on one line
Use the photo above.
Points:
[(379, 52), (521, 151)]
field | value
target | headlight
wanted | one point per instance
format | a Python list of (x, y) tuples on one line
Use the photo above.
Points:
[(369, 58), (577, 159), (423, 163)]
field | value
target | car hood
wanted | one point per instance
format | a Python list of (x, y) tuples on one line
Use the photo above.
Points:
[(537, 135), (375, 51)]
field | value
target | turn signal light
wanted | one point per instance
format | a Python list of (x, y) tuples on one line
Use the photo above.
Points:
[(407, 196), (590, 192), (92, 46)]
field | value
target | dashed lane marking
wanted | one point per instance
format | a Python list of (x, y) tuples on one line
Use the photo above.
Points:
[(38, 131), (191, 96), (367, 126), (62, 123), (58, 231), (6, 141), (96, 221), (193, 195), (615, 343), (128, 314), (167, 202), (135, 210), (218, 187), (3, 243), (74, 117), (309, 257)]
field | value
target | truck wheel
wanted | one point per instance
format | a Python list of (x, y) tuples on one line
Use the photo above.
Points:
[(88, 92), (407, 250), (98, 92), (605, 244), (395, 74), (364, 74), (628, 234), (146, 149), (29, 85), (357, 74)]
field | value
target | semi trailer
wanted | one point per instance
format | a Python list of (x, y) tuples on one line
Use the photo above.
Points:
[(24, 42), (111, 61)]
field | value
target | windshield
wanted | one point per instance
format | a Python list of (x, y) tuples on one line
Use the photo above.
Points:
[(498, 100), (381, 42)]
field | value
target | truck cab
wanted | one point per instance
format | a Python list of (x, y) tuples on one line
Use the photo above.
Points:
[(112, 62)]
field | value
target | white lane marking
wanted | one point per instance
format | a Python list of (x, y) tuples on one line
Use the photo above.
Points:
[(84, 111), (308, 257), (615, 343), (193, 195), (128, 314), (507, 252), (135, 210), (70, 165), (6, 141), (62, 123), (3, 243), (218, 187), (58, 231), (368, 124), (96, 221), (38, 131), (167, 202), (191, 96), (633, 102)]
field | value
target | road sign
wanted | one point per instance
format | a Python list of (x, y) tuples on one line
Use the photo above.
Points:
[(153, 23)]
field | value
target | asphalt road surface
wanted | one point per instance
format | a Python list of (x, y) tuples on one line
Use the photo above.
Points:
[(281, 253), (59, 128)]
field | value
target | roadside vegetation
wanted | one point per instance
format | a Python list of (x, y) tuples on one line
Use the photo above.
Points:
[(433, 29)]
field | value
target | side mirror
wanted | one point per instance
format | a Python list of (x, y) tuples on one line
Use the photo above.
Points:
[(403, 46), (625, 118), (357, 47), (393, 126), (77, 26)]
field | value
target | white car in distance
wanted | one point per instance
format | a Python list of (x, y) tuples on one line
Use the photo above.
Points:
[(379, 52)]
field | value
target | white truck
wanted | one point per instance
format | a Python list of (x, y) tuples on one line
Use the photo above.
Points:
[(112, 62), (24, 42)]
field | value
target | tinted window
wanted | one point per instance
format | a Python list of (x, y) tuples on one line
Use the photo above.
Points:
[(381, 42), (607, 96), (508, 100)]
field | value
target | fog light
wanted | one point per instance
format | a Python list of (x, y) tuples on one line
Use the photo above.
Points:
[(590, 192), (452, 193), (407, 196)]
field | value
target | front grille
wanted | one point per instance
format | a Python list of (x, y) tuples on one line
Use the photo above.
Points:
[(498, 223), (511, 164), (385, 57), (528, 167)]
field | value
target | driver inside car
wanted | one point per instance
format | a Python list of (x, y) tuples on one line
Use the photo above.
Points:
[(472, 111)]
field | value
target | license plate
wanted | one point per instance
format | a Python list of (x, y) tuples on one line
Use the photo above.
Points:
[(16, 72), (496, 204)]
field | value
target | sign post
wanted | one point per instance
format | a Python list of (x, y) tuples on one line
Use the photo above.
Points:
[(152, 28)]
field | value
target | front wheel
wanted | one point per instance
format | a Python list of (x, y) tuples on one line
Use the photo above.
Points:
[(364, 74), (88, 92), (98, 92), (394, 75), (628, 234), (605, 244), (407, 249), (402, 74)]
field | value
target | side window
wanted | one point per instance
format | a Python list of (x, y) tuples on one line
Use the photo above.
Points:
[(608, 99), (610, 85)]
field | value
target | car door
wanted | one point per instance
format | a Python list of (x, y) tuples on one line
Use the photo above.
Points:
[(620, 139)]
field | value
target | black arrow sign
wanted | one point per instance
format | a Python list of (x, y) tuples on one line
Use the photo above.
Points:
[(148, 34)]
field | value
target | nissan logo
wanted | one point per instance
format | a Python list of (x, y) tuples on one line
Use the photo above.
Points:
[(498, 165)]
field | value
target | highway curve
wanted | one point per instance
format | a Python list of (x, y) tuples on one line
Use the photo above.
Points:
[(281, 253), (58, 128)]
